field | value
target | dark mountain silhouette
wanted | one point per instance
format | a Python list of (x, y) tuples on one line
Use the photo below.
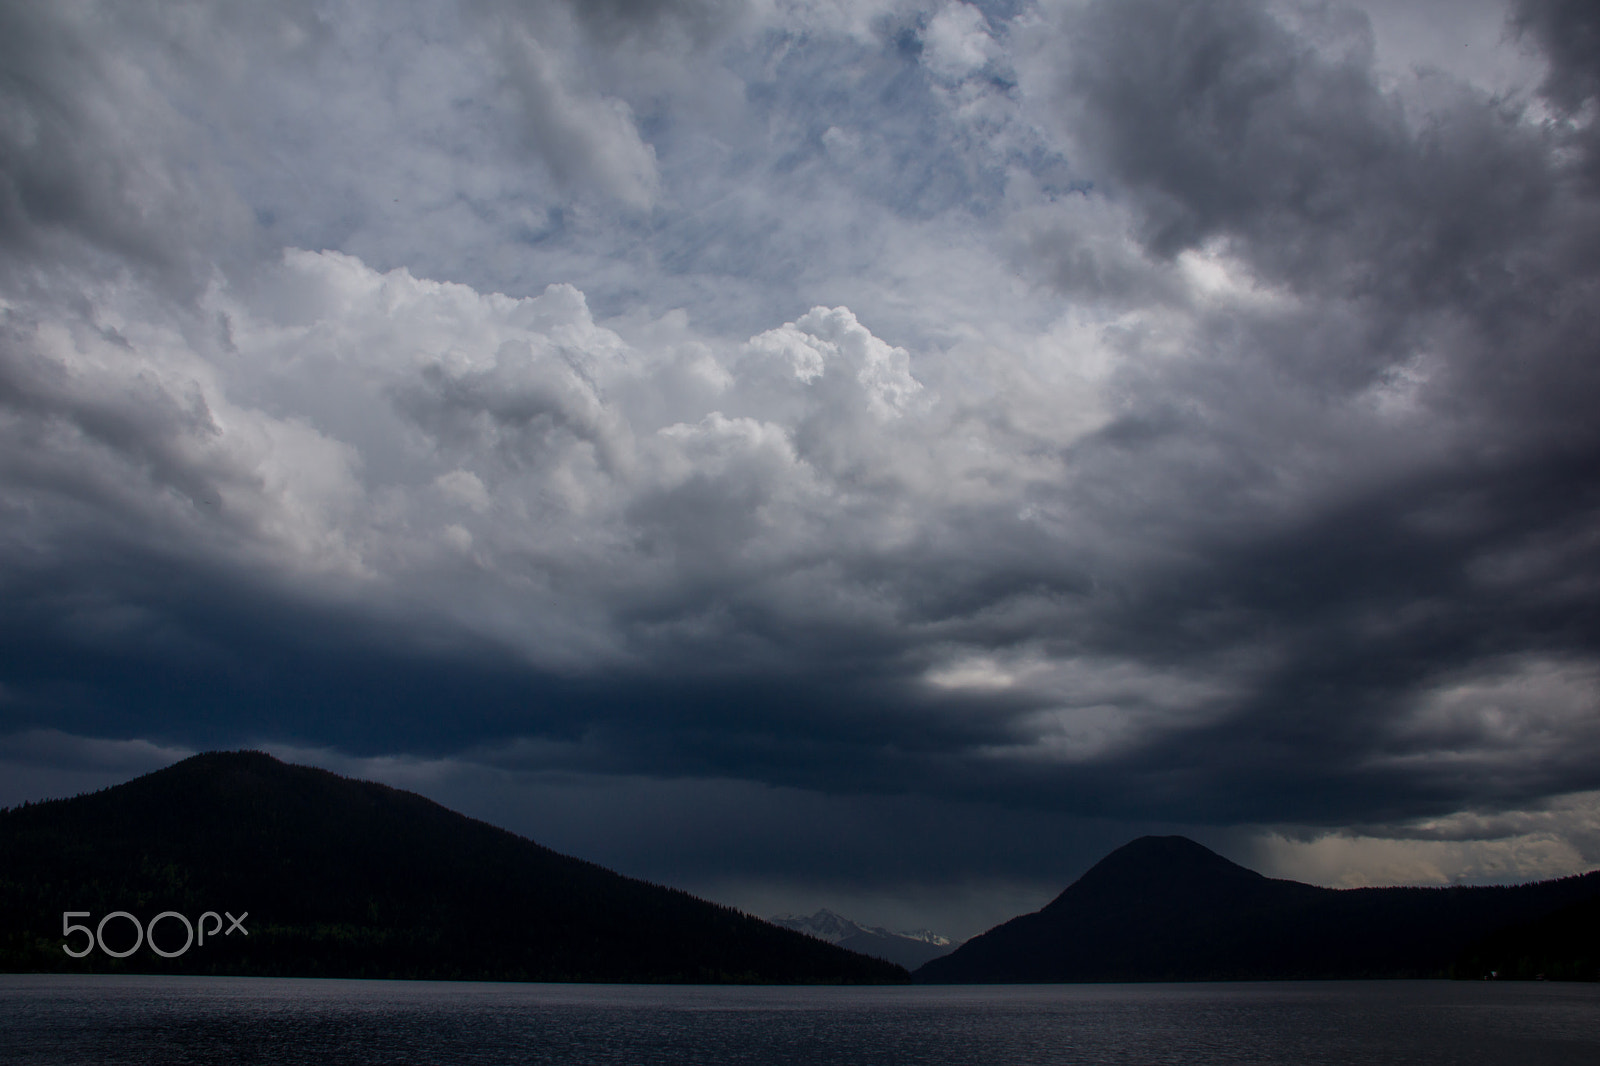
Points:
[(354, 879), (1563, 946), (1168, 909)]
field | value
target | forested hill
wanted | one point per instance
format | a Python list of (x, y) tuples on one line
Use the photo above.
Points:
[(1168, 909), (350, 878)]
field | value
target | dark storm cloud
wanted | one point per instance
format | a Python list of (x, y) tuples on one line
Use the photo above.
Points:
[(1454, 239), (1458, 240), (1568, 33), (1273, 504), (1221, 123)]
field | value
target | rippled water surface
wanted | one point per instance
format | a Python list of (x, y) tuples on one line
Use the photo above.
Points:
[(253, 1020)]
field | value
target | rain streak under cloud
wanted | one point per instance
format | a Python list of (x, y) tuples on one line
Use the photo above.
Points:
[(877, 455)]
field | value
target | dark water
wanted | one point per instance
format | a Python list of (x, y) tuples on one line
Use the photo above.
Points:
[(81, 1020)]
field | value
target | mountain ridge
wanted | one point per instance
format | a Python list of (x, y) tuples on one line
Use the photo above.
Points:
[(349, 878), (1169, 909)]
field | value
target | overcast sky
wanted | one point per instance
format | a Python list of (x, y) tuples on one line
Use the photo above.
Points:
[(878, 455)]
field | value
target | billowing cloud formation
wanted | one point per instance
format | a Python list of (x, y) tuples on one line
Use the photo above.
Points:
[(1141, 411)]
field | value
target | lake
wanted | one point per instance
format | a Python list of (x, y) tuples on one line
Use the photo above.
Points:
[(114, 1020)]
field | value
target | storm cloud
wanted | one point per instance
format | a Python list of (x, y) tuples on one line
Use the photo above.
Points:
[(968, 424)]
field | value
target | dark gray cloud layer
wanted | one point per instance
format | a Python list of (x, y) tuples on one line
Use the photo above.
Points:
[(1192, 420), (1463, 240)]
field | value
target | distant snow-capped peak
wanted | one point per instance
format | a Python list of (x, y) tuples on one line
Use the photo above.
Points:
[(826, 925)]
